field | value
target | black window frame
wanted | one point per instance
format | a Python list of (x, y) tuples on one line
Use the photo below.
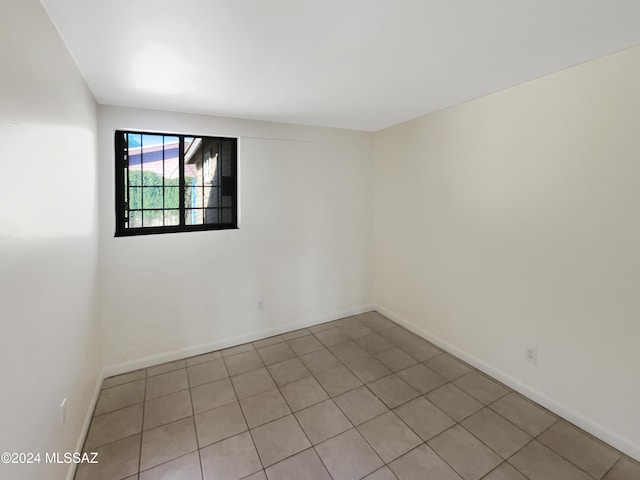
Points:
[(122, 165)]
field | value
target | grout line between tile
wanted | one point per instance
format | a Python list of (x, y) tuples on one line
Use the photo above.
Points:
[(612, 466), (245, 421), (515, 453), (102, 389), (144, 398), (558, 419), (298, 421), (168, 371), (166, 461), (590, 437), (486, 475), (195, 428), (395, 343)]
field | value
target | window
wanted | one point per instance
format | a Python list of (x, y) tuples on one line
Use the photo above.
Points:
[(174, 183)]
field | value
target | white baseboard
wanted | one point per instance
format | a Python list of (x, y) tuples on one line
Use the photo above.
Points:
[(86, 424), (116, 369), (190, 351), (614, 439)]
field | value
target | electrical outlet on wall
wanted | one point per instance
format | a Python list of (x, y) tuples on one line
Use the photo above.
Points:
[(260, 305), (532, 355)]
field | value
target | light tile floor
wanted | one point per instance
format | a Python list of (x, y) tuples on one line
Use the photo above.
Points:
[(357, 398)]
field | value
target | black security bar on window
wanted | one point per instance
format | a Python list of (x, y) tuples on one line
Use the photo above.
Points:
[(174, 183)]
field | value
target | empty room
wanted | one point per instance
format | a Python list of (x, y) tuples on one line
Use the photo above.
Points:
[(320, 240)]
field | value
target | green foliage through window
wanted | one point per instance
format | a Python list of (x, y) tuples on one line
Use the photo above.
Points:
[(152, 194)]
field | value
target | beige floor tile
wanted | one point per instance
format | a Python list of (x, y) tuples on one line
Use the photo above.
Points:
[(395, 359), (167, 409), (537, 462), (279, 439), (392, 334), (523, 413), (206, 372), (182, 468), (252, 383), (421, 378), (166, 368), (166, 383), (124, 378), (288, 371), (375, 321), (243, 362), (422, 463), (348, 351), (579, 448), (625, 469), (230, 459), (219, 423), (389, 436), (337, 380), (204, 358), (465, 453), (505, 472), (276, 353), (320, 327), (296, 333), (341, 322), (113, 426), (424, 418), (303, 393), (374, 343), (332, 336), (421, 350), (502, 436), (393, 391), (348, 456), (167, 442), (246, 347), (304, 465), (400, 337), (212, 395), (368, 369), (356, 330), (257, 476), (120, 396), (360, 405), (233, 390), (322, 421), (481, 387), (115, 460), (448, 366), (320, 360), (382, 474), (264, 407), (454, 402), (266, 342), (304, 345)]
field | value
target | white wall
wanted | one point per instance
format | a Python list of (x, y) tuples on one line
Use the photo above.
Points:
[(504, 223), (48, 241), (303, 246), (512, 221)]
